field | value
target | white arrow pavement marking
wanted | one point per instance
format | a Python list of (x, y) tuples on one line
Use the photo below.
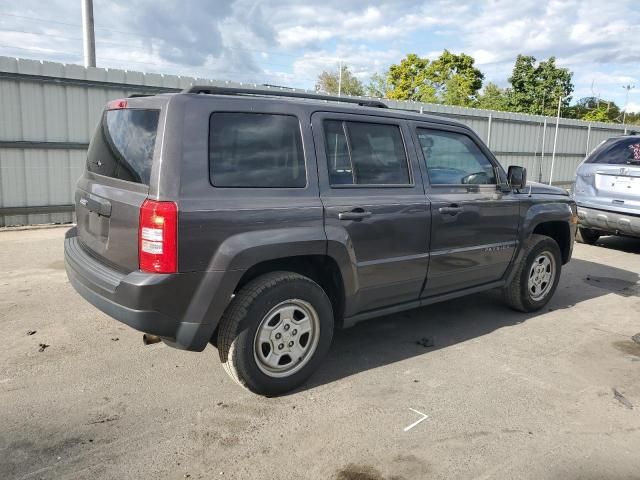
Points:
[(424, 417)]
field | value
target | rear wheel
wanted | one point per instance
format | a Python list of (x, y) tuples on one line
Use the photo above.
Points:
[(587, 235), (537, 276), (275, 332)]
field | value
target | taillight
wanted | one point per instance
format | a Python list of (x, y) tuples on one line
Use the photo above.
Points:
[(158, 237)]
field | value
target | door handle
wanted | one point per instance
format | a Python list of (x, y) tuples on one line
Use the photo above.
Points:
[(452, 210), (355, 214)]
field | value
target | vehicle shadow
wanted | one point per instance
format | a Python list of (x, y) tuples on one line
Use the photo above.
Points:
[(623, 244), (393, 338)]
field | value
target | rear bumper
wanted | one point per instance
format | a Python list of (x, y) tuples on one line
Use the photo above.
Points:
[(609, 221), (182, 308)]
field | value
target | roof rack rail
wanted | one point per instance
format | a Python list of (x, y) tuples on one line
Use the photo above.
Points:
[(213, 90), (281, 87)]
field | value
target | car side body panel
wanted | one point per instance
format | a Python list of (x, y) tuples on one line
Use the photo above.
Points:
[(543, 208), (389, 248), (474, 245), (538, 211)]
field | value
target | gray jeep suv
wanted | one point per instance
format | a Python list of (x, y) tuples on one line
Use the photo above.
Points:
[(258, 222), (607, 190)]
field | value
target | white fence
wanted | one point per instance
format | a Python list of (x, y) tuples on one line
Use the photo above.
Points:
[(48, 112)]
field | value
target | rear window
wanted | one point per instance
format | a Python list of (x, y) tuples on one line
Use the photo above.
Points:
[(123, 144), (255, 150), (617, 152)]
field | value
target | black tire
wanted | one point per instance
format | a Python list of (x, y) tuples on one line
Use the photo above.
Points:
[(587, 235), (517, 293), (240, 322)]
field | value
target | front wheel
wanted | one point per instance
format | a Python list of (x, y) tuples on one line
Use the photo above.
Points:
[(275, 332), (537, 276)]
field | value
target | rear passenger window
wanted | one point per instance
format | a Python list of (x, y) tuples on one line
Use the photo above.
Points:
[(255, 150), (365, 154), (454, 159)]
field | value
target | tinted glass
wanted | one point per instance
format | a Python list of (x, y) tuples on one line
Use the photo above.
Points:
[(255, 150), (123, 144), (376, 155), (624, 151), (454, 159)]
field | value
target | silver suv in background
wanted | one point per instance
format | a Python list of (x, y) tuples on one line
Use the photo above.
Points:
[(607, 190)]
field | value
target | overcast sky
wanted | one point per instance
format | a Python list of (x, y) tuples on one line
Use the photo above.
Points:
[(289, 42)]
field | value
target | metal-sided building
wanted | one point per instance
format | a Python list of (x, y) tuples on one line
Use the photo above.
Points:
[(49, 111)]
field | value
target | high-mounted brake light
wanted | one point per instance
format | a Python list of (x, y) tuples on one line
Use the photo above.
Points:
[(158, 237), (116, 104)]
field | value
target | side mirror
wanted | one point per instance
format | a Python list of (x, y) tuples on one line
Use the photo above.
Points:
[(517, 177)]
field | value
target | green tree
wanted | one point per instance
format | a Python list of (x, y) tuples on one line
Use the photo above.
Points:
[(451, 79), (536, 89), (408, 80), (596, 115), (329, 82), (493, 97), (595, 110), (378, 85), (583, 106), (633, 118), (456, 79)]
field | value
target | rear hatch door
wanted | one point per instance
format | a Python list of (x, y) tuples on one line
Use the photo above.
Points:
[(620, 185), (116, 183), (612, 176)]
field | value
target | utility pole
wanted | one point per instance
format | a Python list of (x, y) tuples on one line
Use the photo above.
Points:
[(555, 140), (339, 78), (626, 101), (544, 94), (544, 141), (594, 95), (88, 35)]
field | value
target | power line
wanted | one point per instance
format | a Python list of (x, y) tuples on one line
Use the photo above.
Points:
[(44, 50), (74, 54), (269, 63), (124, 61), (138, 35), (261, 61), (50, 35), (266, 64), (157, 68), (6, 14)]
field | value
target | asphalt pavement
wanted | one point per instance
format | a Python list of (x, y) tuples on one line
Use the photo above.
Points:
[(550, 395)]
